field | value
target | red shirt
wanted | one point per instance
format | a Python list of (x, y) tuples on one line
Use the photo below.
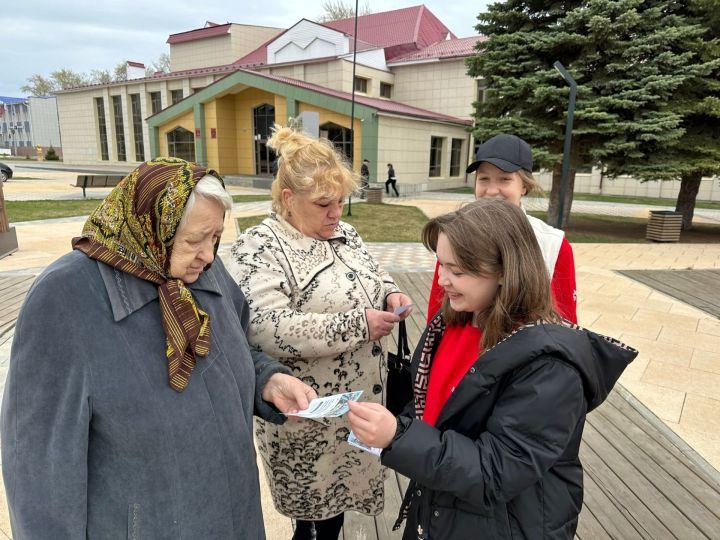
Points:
[(562, 284), (457, 352)]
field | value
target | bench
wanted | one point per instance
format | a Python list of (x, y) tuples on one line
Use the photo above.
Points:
[(85, 181)]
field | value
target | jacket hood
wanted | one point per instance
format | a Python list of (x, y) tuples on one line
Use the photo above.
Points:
[(599, 360)]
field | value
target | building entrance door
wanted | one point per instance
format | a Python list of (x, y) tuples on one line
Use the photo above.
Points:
[(263, 120)]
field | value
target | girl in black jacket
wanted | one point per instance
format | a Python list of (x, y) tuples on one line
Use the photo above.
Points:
[(502, 387)]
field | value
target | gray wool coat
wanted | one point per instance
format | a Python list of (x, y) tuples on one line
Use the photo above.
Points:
[(96, 444)]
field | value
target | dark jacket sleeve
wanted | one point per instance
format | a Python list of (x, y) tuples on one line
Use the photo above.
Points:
[(46, 416), (527, 432)]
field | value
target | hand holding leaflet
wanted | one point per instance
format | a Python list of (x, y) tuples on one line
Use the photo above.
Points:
[(354, 441), (328, 406)]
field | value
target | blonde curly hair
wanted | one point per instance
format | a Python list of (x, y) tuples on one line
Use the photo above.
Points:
[(308, 166)]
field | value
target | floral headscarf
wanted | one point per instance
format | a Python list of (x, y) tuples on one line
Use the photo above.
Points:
[(133, 231)]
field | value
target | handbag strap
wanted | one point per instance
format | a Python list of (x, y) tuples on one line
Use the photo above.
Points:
[(403, 347)]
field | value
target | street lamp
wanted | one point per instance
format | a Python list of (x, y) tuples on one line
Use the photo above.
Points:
[(352, 107), (568, 137)]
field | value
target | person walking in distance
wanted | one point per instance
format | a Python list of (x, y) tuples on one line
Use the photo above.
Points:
[(365, 178), (391, 181)]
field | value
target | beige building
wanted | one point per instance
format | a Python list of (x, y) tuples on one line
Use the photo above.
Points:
[(412, 106)]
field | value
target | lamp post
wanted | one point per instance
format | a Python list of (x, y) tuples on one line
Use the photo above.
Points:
[(568, 137), (352, 107)]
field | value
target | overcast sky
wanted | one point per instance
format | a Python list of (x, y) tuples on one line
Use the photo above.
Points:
[(83, 35)]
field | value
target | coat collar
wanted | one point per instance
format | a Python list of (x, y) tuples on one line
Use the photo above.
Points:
[(128, 293), (306, 256)]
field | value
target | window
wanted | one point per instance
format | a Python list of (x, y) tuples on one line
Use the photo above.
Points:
[(155, 102), (385, 90), (137, 127), (340, 137), (455, 155), (361, 85), (481, 91), (102, 128), (181, 144), (119, 128), (436, 148), (175, 96)]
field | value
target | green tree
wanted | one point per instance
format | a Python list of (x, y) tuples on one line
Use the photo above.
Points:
[(337, 9), (162, 64), (698, 101), (37, 85), (628, 57)]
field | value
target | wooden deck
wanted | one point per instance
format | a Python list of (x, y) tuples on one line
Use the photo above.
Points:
[(13, 289), (699, 288), (641, 480)]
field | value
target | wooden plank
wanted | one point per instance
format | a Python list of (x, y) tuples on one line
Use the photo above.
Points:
[(607, 504), (589, 527), (359, 526), (682, 467), (699, 288), (385, 521), (641, 500), (678, 497)]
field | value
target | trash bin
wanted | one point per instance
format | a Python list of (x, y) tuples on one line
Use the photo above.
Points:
[(664, 226), (374, 195)]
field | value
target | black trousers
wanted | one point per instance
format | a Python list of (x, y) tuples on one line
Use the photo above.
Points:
[(324, 529), (391, 182)]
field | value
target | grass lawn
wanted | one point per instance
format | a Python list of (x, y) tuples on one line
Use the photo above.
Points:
[(375, 222), (32, 210), (251, 198), (591, 228)]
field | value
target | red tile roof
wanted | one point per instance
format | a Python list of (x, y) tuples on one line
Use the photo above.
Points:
[(399, 30), (135, 64), (450, 48), (200, 33)]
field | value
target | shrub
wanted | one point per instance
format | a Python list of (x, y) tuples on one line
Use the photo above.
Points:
[(51, 155)]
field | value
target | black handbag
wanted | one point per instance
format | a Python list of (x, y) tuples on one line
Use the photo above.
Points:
[(399, 383)]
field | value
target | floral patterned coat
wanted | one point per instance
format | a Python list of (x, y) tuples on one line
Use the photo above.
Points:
[(307, 301)]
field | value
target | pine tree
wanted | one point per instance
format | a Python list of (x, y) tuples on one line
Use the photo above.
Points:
[(629, 58)]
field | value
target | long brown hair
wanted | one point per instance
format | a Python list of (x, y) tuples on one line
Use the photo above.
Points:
[(493, 238)]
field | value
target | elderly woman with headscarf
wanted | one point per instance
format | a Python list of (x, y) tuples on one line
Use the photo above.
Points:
[(129, 401), (321, 304)]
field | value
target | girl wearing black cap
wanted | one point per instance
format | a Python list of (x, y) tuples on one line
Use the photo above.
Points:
[(503, 170)]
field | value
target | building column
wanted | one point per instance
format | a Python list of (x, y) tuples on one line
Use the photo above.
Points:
[(200, 146)]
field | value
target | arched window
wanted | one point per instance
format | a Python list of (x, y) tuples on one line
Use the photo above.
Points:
[(339, 136), (181, 144)]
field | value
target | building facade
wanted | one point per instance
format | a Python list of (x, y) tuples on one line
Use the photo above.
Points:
[(407, 100), (29, 123)]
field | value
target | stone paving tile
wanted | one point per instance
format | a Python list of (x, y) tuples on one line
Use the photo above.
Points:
[(670, 320), (706, 361), (679, 355), (677, 336), (666, 403), (683, 379)]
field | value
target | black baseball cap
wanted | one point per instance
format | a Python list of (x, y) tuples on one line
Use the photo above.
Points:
[(506, 152)]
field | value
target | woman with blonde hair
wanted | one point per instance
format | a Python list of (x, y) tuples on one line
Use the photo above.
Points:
[(502, 385), (321, 304)]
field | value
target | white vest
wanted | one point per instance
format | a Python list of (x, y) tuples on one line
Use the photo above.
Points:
[(549, 238)]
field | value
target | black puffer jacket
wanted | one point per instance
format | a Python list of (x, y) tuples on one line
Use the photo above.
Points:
[(503, 459)]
